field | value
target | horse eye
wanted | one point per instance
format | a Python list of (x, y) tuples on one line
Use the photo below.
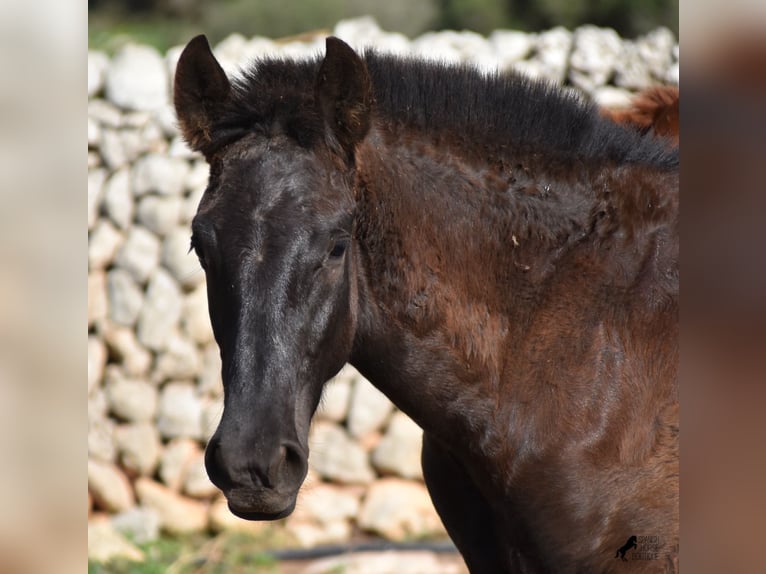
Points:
[(338, 248)]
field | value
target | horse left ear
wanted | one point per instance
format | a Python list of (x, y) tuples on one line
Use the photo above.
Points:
[(344, 95), (201, 89)]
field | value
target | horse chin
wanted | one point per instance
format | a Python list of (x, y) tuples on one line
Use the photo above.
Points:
[(257, 506)]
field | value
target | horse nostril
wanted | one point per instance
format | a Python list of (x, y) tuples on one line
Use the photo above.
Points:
[(214, 465)]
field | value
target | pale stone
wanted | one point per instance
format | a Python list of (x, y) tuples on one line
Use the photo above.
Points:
[(178, 515), (177, 257), (209, 380), (335, 400), (112, 149), (160, 174), (140, 254), (101, 445), (118, 199), (125, 348), (103, 243), (180, 411), (594, 56), (98, 307), (106, 544), (369, 409), (399, 510), (553, 50), (175, 461), (198, 175), (212, 411), (309, 534), (166, 119), (336, 457), (94, 133), (511, 46), (609, 97), (195, 318), (137, 78), (129, 399), (104, 113), (125, 298), (161, 311), (197, 484), (98, 63), (96, 362), (141, 525), (190, 204), (109, 487), (179, 360), (159, 214), (96, 179), (399, 450), (139, 447), (328, 503)]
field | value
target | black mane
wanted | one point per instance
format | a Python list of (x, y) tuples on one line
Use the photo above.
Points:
[(499, 111)]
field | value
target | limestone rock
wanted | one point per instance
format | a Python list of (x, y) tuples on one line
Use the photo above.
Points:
[(133, 400), (179, 360), (399, 450), (197, 484), (180, 411), (176, 460), (139, 447), (195, 319), (161, 311), (105, 544), (182, 263), (96, 361), (104, 241), (178, 515), (137, 78), (335, 400), (369, 410), (109, 487), (141, 525), (139, 254), (96, 179), (118, 199), (98, 307), (159, 214), (399, 509), (124, 347), (335, 456), (98, 62), (124, 296), (159, 174)]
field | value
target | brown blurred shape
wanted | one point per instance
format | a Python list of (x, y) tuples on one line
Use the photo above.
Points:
[(655, 109)]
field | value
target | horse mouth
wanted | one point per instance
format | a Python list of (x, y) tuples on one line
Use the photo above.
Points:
[(257, 504)]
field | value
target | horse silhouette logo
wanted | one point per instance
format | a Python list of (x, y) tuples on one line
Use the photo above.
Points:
[(631, 543)]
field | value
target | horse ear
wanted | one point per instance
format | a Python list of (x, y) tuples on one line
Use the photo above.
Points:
[(344, 96), (201, 88)]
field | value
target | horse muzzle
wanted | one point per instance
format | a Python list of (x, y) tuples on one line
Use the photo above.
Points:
[(259, 483)]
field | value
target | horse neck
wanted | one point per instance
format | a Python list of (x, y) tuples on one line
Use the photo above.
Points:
[(451, 246)]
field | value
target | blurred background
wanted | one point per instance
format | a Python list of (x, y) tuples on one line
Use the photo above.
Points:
[(164, 23)]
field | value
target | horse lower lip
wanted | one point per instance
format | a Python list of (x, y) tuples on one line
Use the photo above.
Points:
[(259, 515)]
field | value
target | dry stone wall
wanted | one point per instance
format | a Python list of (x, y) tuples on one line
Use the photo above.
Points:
[(154, 387)]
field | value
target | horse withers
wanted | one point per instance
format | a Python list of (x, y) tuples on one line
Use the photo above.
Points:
[(491, 253)]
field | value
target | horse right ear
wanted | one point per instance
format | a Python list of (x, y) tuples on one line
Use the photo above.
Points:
[(201, 89), (343, 92)]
